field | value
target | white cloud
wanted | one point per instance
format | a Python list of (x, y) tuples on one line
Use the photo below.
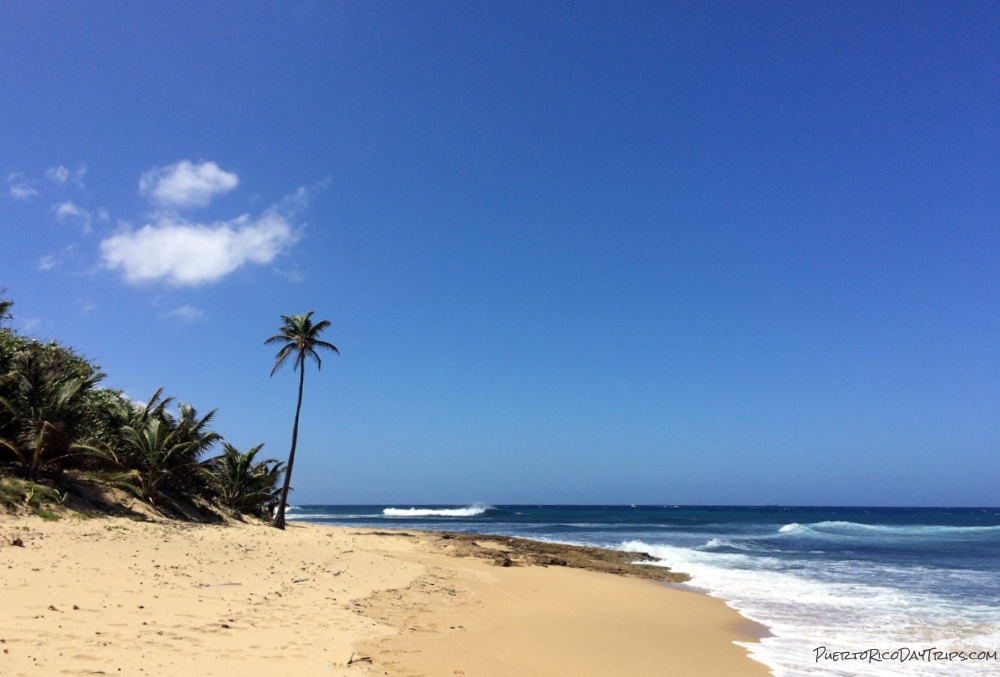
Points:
[(20, 189), (68, 212), (61, 175), (184, 253), (186, 313), (50, 261), (57, 174), (184, 184)]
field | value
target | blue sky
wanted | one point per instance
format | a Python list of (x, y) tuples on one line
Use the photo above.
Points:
[(588, 252)]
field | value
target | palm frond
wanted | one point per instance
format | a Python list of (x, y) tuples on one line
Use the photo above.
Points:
[(282, 357)]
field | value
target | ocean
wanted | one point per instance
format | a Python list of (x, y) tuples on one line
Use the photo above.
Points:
[(843, 591)]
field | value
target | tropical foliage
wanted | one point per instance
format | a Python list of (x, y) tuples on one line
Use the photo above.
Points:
[(298, 337), (155, 449), (43, 404), (5, 306), (55, 419), (244, 483)]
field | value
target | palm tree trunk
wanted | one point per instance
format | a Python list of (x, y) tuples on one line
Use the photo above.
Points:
[(279, 518)]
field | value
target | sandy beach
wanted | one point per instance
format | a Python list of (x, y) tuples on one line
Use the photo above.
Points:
[(117, 596)]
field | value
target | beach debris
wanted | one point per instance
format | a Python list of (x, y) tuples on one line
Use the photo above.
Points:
[(215, 585), (17, 541), (360, 659)]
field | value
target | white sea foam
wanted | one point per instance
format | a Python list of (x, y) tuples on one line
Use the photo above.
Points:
[(308, 517), (805, 612), (471, 511), (716, 543)]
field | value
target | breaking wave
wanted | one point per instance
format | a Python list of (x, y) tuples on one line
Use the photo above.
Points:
[(470, 511)]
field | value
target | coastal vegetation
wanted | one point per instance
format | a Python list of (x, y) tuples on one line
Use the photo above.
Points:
[(64, 439)]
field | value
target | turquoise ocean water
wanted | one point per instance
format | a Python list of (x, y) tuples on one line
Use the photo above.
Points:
[(844, 591)]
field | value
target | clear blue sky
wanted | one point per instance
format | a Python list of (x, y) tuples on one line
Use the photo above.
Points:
[(628, 252)]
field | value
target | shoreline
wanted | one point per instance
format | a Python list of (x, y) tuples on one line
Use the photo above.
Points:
[(166, 598), (751, 627)]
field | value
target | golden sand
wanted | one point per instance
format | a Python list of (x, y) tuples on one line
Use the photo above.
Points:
[(115, 596)]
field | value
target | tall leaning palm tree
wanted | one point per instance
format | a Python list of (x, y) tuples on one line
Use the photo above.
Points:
[(297, 336)]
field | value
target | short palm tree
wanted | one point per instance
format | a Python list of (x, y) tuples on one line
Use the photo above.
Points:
[(153, 450), (44, 407), (123, 419), (297, 336), (244, 483), (5, 306)]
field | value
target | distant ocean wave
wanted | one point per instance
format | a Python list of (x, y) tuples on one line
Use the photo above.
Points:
[(470, 511), (835, 529), (314, 516), (731, 544)]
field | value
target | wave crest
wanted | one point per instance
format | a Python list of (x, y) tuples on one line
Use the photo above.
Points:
[(854, 530), (470, 511)]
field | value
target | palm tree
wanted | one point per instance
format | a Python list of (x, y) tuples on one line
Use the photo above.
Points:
[(244, 483), (5, 306), (152, 449), (122, 418), (297, 336), (43, 407)]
